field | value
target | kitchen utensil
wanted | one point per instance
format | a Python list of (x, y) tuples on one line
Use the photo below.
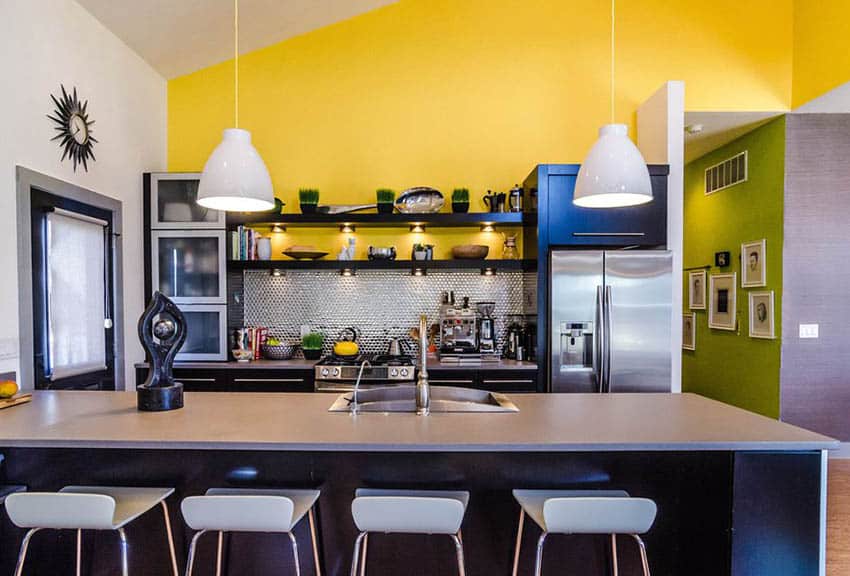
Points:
[(15, 400), (509, 249), (470, 252), (345, 208), (420, 200), (279, 351), (304, 253), (346, 345), (381, 253), (515, 199), (243, 355), (398, 347), (494, 201)]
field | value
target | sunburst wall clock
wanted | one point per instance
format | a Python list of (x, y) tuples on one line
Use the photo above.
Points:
[(74, 127)]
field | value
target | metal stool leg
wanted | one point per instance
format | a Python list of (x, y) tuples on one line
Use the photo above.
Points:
[(218, 548), (22, 554), (125, 565), (518, 540), (79, 551), (614, 564), (295, 553), (356, 559), (190, 563), (461, 570), (643, 559), (538, 562), (365, 551), (316, 559), (170, 538)]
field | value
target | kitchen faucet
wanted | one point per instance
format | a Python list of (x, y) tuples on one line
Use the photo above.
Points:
[(354, 403), (423, 388)]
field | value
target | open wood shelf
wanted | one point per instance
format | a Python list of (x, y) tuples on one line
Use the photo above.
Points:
[(524, 265), (448, 220)]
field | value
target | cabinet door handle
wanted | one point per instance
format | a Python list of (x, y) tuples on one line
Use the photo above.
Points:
[(178, 379), (636, 234), (283, 380), (451, 381), (508, 381)]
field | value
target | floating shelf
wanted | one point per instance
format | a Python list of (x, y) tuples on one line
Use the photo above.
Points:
[(449, 220), (525, 265)]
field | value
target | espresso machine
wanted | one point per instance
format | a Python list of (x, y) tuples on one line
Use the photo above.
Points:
[(486, 327), (458, 329)]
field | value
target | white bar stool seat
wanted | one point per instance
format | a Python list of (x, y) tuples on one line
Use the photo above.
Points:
[(585, 512), (87, 508), (438, 512), (247, 510)]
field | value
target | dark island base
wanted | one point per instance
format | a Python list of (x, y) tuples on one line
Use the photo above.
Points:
[(720, 513)]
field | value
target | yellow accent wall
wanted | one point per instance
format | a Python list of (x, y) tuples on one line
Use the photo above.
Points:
[(821, 50)]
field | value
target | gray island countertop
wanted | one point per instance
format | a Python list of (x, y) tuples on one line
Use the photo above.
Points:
[(300, 422)]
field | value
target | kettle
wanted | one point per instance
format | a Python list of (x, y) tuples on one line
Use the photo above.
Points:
[(346, 345)]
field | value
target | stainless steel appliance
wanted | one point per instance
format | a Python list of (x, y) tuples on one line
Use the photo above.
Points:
[(458, 329), (486, 327), (336, 374), (611, 321)]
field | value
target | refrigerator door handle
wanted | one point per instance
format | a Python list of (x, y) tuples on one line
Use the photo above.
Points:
[(599, 341), (608, 311)]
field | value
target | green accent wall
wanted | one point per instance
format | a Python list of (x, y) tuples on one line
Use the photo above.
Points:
[(731, 366)]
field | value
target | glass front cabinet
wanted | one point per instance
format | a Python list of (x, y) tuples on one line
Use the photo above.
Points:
[(174, 204), (188, 266)]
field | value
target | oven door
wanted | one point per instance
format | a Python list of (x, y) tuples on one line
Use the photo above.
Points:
[(206, 333)]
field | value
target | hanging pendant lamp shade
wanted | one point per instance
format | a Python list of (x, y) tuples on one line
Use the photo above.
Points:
[(614, 173), (235, 178)]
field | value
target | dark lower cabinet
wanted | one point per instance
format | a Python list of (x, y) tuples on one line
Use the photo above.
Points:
[(514, 381), (239, 380)]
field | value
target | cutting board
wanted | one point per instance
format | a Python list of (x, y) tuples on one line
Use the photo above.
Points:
[(15, 400)]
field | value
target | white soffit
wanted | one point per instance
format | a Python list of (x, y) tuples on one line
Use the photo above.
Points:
[(177, 37), (719, 128)]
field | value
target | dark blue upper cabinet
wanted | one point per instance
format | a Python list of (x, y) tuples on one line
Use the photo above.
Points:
[(564, 224)]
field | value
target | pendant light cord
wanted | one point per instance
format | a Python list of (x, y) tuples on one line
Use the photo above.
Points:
[(236, 61), (613, 47)]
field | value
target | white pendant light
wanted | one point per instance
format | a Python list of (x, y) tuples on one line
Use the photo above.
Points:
[(235, 178), (614, 173)]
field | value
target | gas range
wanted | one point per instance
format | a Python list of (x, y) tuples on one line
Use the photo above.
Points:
[(339, 374)]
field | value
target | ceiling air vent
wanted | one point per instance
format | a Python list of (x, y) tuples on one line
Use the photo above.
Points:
[(726, 173)]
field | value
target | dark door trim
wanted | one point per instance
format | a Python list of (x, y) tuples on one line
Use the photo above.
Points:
[(27, 180)]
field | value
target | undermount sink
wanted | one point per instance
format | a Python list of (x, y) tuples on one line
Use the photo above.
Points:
[(443, 399)]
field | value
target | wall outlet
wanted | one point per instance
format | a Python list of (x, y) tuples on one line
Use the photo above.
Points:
[(809, 330)]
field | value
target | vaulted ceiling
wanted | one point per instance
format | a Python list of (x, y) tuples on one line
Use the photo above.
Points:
[(180, 36)]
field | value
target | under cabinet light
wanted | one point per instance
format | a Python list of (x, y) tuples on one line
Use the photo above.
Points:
[(417, 228), (488, 271), (347, 228), (488, 227), (419, 272), (347, 272), (277, 272), (277, 228)]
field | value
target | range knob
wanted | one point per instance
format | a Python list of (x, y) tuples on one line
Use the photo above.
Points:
[(404, 372), (394, 372), (336, 371), (325, 371)]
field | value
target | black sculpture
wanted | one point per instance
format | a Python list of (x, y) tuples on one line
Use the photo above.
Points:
[(162, 339)]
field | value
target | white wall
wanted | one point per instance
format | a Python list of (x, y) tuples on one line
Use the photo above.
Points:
[(45, 43), (661, 139)]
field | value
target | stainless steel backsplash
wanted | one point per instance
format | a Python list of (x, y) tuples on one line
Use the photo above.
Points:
[(380, 304)]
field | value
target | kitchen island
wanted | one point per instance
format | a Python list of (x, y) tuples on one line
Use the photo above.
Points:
[(738, 493)]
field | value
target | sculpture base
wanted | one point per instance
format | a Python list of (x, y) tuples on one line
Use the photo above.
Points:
[(160, 399)]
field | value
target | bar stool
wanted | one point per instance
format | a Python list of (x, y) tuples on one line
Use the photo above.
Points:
[(585, 512), (248, 510), (86, 508), (407, 512)]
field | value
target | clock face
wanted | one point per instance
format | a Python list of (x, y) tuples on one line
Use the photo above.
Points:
[(74, 128)]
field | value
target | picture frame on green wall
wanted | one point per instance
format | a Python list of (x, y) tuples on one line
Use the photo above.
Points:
[(762, 315), (723, 305), (689, 331), (696, 290), (754, 264)]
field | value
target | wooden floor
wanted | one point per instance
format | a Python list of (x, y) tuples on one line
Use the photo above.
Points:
[(838, 519)]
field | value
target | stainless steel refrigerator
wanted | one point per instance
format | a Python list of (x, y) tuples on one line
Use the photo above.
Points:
[(610, 321)]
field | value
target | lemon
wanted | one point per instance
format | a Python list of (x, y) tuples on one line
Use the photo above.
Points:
[(8, 389)]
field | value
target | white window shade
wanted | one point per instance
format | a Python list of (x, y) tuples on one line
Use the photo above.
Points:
[(76, 303)]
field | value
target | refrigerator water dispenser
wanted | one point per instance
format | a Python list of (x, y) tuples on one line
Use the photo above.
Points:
[(576, 345)]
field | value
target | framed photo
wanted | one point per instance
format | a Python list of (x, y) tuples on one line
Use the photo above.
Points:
[(722, 308), (753, 264), (689, 332), (696, 290), (761, 315)]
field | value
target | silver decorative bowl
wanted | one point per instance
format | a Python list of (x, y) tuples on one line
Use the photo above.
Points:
[(420, 200), (279, 352)]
